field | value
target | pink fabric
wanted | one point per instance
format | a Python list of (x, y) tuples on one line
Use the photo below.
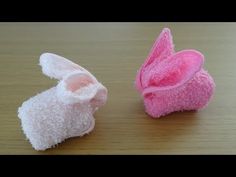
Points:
[(65, 110), (170, 81)]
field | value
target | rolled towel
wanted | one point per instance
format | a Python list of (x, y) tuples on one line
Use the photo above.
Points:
[(170, 81), (65, 110)]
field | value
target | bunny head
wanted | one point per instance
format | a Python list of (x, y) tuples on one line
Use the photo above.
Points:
[(166, 76), (76, 84), (65, 110)]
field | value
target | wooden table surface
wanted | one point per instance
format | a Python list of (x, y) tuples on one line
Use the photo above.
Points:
[(114, 52)]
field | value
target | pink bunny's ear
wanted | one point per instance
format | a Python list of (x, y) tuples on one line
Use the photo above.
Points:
[(56, 66), (161, 50), (175, 71)]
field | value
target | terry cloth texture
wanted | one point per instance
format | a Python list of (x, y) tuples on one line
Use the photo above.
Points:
[(170, 81), (65, 110)]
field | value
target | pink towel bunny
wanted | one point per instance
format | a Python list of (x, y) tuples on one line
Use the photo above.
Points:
[(63, 111), (170, 81)]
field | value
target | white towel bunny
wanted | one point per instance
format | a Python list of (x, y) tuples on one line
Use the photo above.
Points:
[(63, 111)]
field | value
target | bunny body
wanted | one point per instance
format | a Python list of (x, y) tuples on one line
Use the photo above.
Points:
[(170, 81), (47, 121), (193, 95), (63, 111)]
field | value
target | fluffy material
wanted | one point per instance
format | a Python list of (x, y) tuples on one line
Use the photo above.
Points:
[(169, 81), (65, 110)]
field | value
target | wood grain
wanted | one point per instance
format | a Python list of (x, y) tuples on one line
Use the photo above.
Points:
[(114, 52)]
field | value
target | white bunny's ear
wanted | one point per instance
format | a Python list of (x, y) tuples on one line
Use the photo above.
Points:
[(77, 85), (100, 98), (80, 87), (56, 66)]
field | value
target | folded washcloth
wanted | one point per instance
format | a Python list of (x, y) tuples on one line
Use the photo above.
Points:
[(65, 110), (170, 81)]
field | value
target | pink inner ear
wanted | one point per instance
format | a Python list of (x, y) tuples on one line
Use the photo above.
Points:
[(177, 69), (175, 75), (75, 82)]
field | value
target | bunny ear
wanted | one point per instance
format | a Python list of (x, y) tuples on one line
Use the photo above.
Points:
[(100, 98), (56, 66), (162, 48), (175, 71), (80, 87)]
